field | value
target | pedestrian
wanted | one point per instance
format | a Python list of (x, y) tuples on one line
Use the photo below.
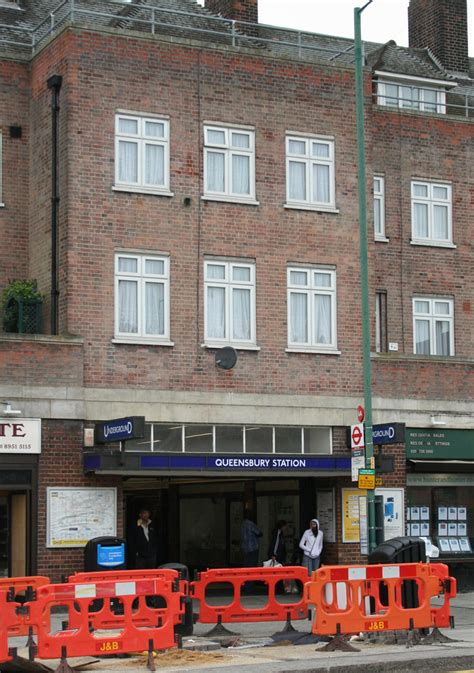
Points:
[(277, 547), (249, 540), (144, 542), (312, 545)]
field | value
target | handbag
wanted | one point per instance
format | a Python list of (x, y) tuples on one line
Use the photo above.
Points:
[(271, 564)]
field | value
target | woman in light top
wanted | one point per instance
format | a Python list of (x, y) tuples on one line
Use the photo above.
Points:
[(312, 545)]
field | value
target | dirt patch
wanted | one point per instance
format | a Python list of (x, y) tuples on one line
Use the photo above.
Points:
[(187, 658)]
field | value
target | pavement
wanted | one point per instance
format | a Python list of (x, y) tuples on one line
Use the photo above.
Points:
[(254, 650)]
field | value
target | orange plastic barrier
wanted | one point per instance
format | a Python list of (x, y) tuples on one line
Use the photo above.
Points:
[(81, 641), (8, 619), (237, 577), (103, 615), (19, 590), (350, 599)]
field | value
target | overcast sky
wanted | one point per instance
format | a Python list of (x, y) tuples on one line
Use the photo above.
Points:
[(383, 20)]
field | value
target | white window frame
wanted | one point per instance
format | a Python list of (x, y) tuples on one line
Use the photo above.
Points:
[(310, 289), (379, 197), (228, 151), (309, 202), (141, 278), (142, 140), (229, 285), (433, 317), (430, 201), (401, 102)]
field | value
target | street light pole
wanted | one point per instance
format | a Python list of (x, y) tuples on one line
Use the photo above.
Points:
[(364, 271)]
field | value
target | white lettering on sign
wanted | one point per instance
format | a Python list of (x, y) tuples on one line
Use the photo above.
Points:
[(261, 463), (118, 429), (388, 433)]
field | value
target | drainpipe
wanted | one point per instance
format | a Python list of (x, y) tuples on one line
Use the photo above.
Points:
[(54, 83)]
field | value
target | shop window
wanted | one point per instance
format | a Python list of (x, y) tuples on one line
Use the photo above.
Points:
[(258, 439), (318, 440), (198, 439), (288, 440), (229, 439)]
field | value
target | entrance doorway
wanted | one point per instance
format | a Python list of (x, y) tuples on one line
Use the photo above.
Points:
[(14, 534)]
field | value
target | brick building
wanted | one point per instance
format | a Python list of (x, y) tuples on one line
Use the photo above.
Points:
[(205, 198)]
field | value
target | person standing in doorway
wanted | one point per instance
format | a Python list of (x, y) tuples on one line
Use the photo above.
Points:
[(249, 540), (144, 542), (277, 548), (312, 545)]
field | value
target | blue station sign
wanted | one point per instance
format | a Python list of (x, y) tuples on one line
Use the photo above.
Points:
[(384, 433), (226, 463), (120, 429)]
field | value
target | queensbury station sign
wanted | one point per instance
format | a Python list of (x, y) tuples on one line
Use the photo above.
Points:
[(120, 429)]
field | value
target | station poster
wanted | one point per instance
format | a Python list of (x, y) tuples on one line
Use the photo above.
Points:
[(393, 510), (76, 515)]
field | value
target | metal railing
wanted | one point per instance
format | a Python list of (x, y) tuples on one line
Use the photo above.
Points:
[(456, 104), (161, 20)]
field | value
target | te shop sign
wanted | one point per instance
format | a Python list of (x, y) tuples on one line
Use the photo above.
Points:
[(20, 435)]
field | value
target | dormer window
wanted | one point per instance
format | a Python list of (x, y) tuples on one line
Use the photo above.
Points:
[(412, 95)]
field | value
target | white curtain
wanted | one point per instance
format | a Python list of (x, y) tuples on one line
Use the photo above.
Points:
[(297, 181), (154, 165), (440, 222), (240, 174), (422, 337), (215, 172), (128, 161), (128, 306), (377, 216), (154, 308), (420, 213), (241, 314), (298, 318), (322, 319), (216, 312), (442, 338), (321, 191)]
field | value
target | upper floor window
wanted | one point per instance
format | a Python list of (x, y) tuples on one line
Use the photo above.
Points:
[(410, 97), (311, 309), (433, 326), (229, 163), (142, 154), (379, 207), (431, 212), (310, 172), (142, 298), (229, 303)]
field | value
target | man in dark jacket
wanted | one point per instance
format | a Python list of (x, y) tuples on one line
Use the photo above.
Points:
[(144, 542)]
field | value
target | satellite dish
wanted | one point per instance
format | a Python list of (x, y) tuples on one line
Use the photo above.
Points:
[(226, 357)]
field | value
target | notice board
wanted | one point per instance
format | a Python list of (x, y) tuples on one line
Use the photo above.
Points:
[(76, 515)]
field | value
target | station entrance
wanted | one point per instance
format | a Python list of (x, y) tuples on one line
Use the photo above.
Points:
[(199, 520)]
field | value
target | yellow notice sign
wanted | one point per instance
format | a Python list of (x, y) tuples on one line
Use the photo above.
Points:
[(350, 514), (366, 479)]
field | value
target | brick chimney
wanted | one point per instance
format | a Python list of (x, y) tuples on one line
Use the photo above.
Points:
[(240, 10), (440, 25)]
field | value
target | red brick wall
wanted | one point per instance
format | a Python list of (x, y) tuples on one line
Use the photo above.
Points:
[(26, 361), (60, 464), (441, 25), (14, 110), (240, 10)]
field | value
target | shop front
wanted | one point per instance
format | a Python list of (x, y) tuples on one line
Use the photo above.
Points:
[(20, 446), (440, 493), (198, 481)]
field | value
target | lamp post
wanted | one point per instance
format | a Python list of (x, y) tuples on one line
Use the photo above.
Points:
[(364, 271)]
